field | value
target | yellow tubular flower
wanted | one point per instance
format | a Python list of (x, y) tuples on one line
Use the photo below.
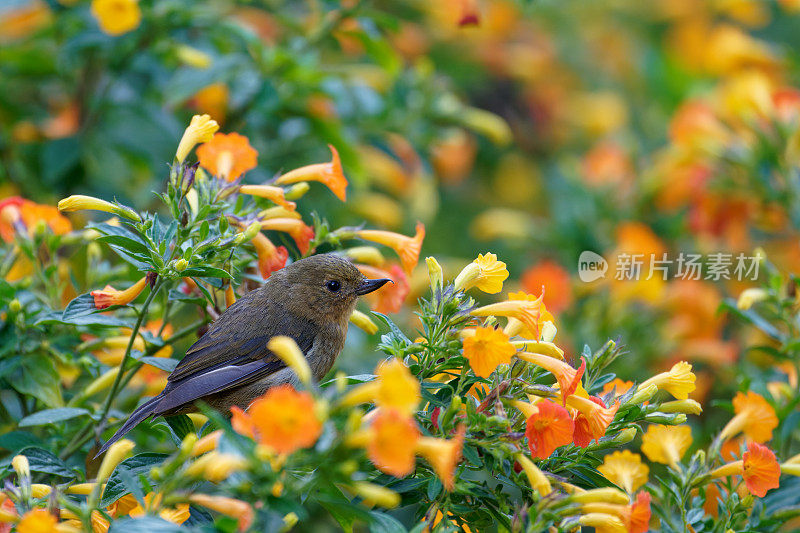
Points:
[(526, 311), (406, 247), (270, 192), (568, 377), (603, 523), (602, 495), (278, 211), (39, 490), (485, 272), (207, 443), (110, 296), (79, 202), (435, 273), (679, 381), (536, 477), (368, 255), (687, 407), (790, 469), (364, 322), (527, 409), (228, 506), (373, 494), (542, 347), (286, 348), (443, 455), (625, 469), (330, 174), (83, 489), (751, 296), (666, 444), (115, 455), (394, 388), (201, 129), (21, 466), (216, 467)]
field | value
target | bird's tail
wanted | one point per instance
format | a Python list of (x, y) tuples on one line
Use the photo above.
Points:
[(143, 411)]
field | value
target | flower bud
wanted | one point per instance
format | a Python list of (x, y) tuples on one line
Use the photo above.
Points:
[(79, 202), (643, 394), (21, 466), (364, 322), (666, 419), (286, 348), (368, 255), (181, 265), (374, 494), (435, 273), (248, 234), (14, 306), (750, 297), (115, 455), (296, 191), (687, 407)]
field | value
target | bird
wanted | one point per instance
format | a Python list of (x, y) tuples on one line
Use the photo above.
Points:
[(309, 300)]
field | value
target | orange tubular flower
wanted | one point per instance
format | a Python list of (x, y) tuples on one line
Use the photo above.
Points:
[(640, 514), (270, 192), (515, 327), (390, 297), (24, 214), (443, 455), (526, 311), (407, 248), (301, 233), (758, 467), (617, 385), (754, 416), (270, 257), (227, 156), (330, 174), (568, 378), (110, 296), (283, 419), (392, 439), (549, 428), (237, 509), (598, 416), (486, 350)]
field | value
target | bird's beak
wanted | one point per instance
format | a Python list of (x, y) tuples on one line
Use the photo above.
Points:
[(369, 285)]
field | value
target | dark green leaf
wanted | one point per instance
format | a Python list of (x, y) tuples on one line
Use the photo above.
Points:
[(51, 416)]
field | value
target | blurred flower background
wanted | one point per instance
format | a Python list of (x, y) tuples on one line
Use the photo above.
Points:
[(536, 130)]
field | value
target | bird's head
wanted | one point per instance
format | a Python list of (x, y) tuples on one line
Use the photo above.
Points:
[(324, 287)]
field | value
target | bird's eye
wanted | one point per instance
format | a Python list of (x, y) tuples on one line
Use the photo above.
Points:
[(333, 285)]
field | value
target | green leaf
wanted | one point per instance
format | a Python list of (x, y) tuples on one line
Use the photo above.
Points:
[(163, 363), (51, 416), (37, 377), (14, 441), (181, 425), (40, 460), (384, 523), (206, 272), (145, 524), (125, 243)]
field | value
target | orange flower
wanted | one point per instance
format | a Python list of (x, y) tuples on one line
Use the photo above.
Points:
[(16, 212), (301, 233), (754, 416), (331, 174), (598, 416), (486, 350), (177, 515), (695, 125), (554, 278), (270, 192), (568, 378), (549, 428), (607, 165), (760, 469), (390, 297), (617, 385), (407, 248), (393, 437), (237, 509), (283, 419), (443, 455), (270, 257), (227, 156), (640, 513), (516, 327), (110, 296), (470, 15)]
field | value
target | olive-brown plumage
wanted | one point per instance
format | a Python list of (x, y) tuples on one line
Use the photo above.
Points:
[(310, 301)]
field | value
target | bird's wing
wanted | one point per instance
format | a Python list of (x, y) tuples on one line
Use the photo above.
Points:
[(226, 377), (239, 337)]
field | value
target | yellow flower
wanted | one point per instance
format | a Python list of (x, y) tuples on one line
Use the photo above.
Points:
[(536, 477), (368, 255), (37, 521), (270, 192), (666, 444), (330, 174), (569, 378), (78, 202), (625, 469), (116, 17), (177, 515), (201, 129), (754, 416), (286, 348), (374, 494), (21, 466), (687, 407), (751, 296), (207, 443), (215, 466), (602, 495), (363, 322), (193, 57), (394, 388), (114, 456), (527, 311), (237, 509), (485, 272), (603, 523), (679, 381), (486, 350)]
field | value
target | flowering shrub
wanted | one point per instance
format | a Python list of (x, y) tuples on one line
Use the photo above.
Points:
[(479, 418)]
